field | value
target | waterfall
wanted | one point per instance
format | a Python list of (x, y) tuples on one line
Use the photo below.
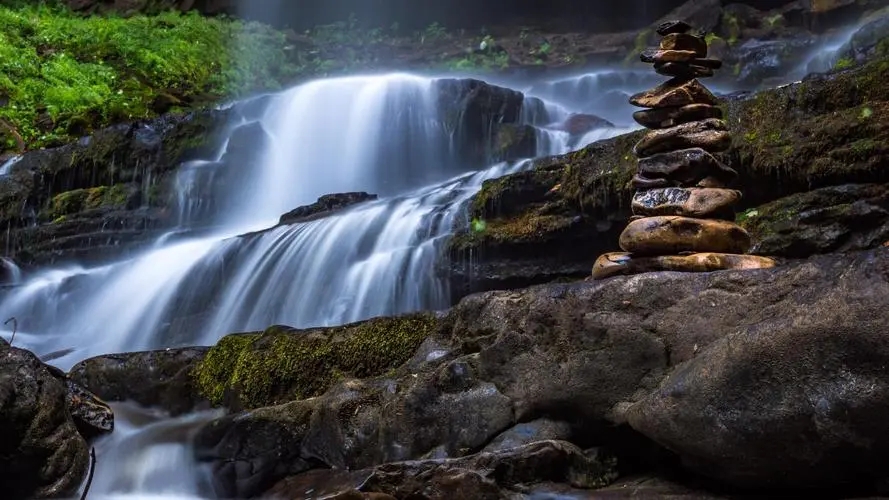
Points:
[(381, 134), (384, 134), (149, 457)]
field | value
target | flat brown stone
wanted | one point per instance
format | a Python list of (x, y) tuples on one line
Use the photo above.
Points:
[(710, 135), (707, 63), (620, 263), (641, 182), (686, 167), (670, 27), (688, 202), (668, 235), (683, 70), (670, 117), (665, 56), (674, 93), (684, 41)]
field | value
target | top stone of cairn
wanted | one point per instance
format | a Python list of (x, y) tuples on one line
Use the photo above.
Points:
[(670, 27)]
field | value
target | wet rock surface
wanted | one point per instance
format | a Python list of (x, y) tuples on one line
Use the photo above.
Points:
[(831, 219), (674, 93), (487, 475), (599, 354), (156, 379), (710, 135), (325, 206), (42, 455), (622, 263), (688, 202), (676, 115), (667, 235), (549, 223)]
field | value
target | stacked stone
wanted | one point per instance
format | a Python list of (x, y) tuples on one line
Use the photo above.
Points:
[(683, 209)]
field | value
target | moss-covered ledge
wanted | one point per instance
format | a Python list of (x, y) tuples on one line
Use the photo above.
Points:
[(281, 364)]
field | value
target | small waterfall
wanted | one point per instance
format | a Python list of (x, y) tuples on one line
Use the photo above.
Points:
[(150, 457), (602, 93), (6, 167)]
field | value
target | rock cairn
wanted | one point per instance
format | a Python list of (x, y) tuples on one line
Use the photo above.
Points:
[(682, 209)]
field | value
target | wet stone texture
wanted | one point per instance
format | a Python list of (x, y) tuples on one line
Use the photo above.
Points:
[(683, 208)]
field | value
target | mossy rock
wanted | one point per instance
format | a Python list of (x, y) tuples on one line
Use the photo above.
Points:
[(830, 219), (827, 130), (79, 200), (580, 188), (281, 364)]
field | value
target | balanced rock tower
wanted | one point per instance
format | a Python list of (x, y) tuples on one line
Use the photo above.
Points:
[(683, 209)]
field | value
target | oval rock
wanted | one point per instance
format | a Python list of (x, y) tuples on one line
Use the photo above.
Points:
[(711, 135), (688, 202), (666, 235)]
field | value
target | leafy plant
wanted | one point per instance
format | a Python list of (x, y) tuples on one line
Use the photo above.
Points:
[(63, 74), (844, 63)]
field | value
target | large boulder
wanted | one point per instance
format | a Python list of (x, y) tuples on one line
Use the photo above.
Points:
[(795, 395), (159, 379), (42, 455), (473, 112), (603, 361)]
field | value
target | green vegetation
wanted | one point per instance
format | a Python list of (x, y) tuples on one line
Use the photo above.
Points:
[(281, 365), (844, 63), (62, 75)]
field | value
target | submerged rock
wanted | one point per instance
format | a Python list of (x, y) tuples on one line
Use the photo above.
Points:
[(42, 455)]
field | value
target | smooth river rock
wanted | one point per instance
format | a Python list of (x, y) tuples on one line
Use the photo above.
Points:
[(710, 135), (708, 63), (622, 263), (670, 117), (673, 93), (686, 167), (683, 70), (666, 235), (689, 202), (684, 41)]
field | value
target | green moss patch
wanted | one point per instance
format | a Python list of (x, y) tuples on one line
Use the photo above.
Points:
[(281, 364), (63, 74), (78, 200)]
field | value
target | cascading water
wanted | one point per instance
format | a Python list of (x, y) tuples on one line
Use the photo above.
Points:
[(383, 134)]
